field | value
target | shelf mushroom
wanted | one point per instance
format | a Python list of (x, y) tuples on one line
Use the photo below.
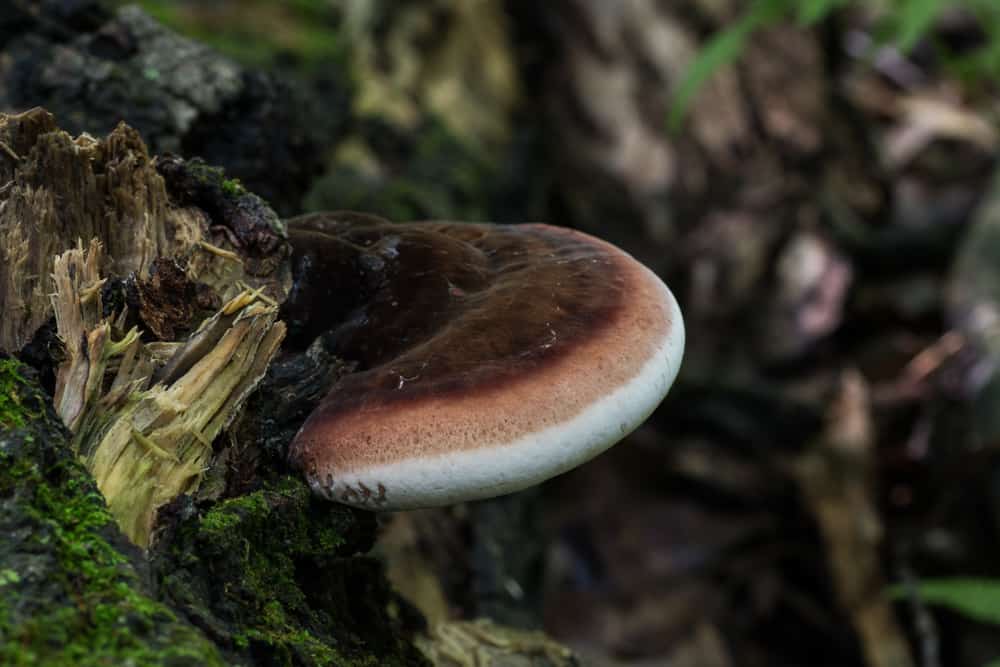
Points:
[(489, 357)]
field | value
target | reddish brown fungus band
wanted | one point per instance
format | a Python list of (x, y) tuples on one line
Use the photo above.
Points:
[(489, 357)]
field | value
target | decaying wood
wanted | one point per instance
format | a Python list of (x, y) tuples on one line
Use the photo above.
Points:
[(64, 190), (144, 402), (145, 428), (61, 190), (85, 336)]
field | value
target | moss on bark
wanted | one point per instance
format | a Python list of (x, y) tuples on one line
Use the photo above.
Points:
[(268, 578), (70, 593), (272, 576)]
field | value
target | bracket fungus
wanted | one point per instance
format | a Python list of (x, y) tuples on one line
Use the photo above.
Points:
[(489, 358)]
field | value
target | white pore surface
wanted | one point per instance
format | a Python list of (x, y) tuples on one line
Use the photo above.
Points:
[(486, 472)]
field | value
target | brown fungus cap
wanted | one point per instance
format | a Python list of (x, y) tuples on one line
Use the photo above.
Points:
[(490, 357)]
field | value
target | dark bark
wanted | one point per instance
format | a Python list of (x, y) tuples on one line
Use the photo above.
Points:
[(93, 68)]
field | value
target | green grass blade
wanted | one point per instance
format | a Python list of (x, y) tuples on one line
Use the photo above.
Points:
[(814, 11), (914, 20), (721, 49), (978, 599)]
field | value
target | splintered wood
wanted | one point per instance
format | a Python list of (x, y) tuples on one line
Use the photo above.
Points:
[(144, 415), (62, 189), (56, 189), (143, 402), (85, 336)]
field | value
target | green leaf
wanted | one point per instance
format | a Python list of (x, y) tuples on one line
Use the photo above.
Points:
[(987, 57), (721, 49), (978, 599), (814, 11), (993, 663), (914, 20)]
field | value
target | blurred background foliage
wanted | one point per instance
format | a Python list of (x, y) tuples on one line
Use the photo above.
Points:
[(900, 24), (306, 33)]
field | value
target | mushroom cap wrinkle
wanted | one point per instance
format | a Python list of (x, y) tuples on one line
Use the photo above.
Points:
[(489, 357)]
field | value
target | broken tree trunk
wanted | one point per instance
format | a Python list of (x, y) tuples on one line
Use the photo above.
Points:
[(146, 289), (56, 190)]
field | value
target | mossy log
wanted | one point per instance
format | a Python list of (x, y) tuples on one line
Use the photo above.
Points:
[(164, 323), (269, 578), (72, 590)]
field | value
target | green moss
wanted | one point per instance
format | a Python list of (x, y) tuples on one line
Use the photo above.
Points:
[(12, 413), (209, 176), (291, 589), (281, 631), (70, 594), (268, 578), (196, 183), (232, 187)]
